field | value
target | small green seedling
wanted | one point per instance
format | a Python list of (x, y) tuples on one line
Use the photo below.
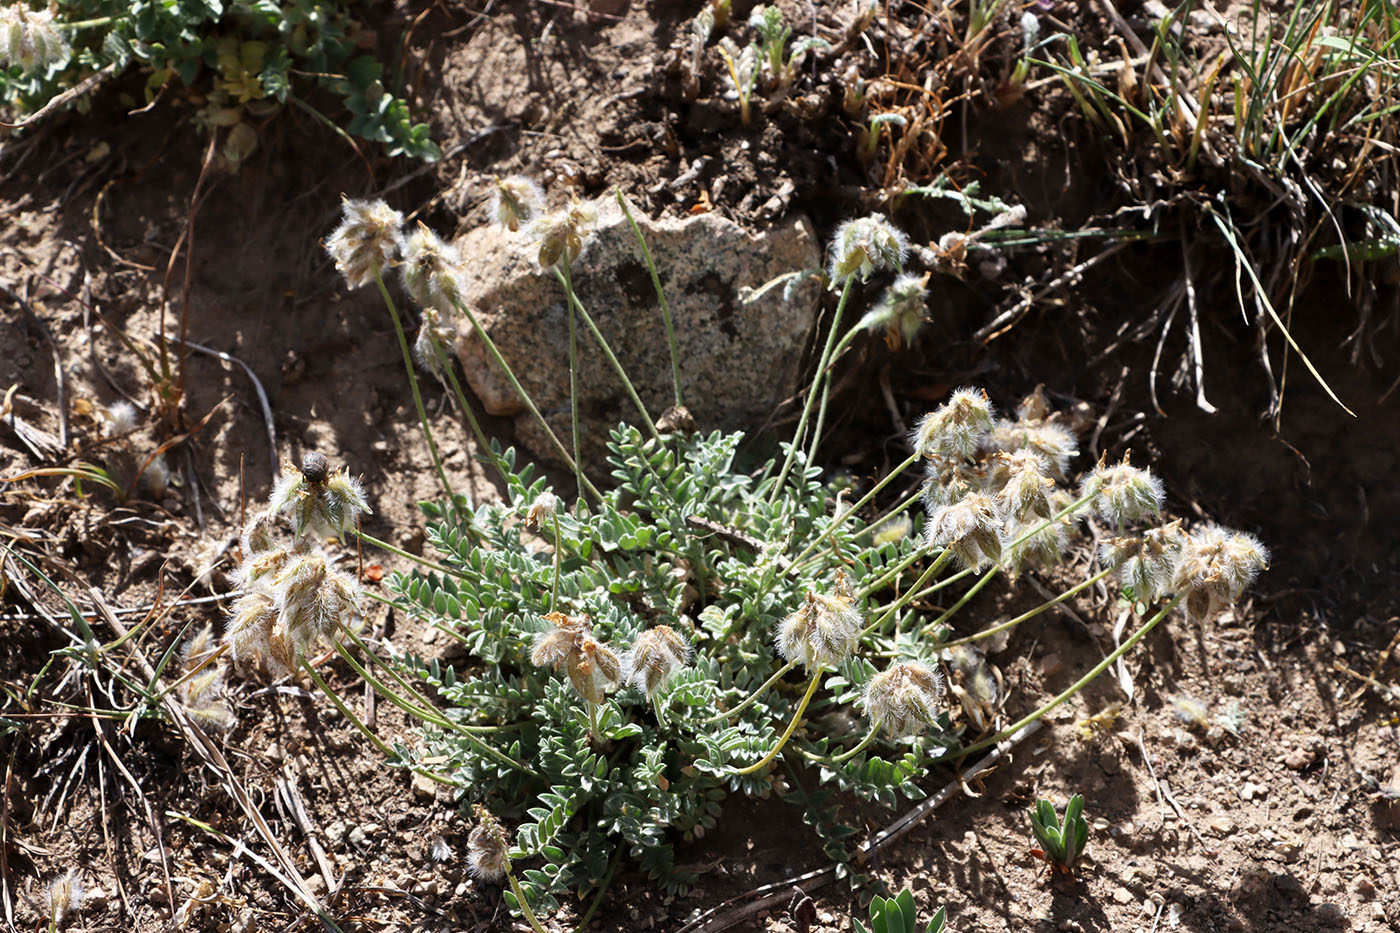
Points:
[(1061, 843), (898, 915)]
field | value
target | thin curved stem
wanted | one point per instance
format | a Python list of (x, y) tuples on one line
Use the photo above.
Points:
[(869, 737), (413, 384), (660, 297), (417, 559), (791, 727), (823, 377), (841, 517), (567, 281), (972, 591), (482, 441), (753, 697), (345, 711), (907, 598), (573, 393), (879, 582), (524, 396), (800, 433), (558, 558), (520, 899), (1070, 691), (1012, 623)]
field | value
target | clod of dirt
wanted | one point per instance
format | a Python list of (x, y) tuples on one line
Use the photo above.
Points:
[(738, 360)]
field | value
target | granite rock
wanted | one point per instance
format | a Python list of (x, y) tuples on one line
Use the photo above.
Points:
[(738, 360)]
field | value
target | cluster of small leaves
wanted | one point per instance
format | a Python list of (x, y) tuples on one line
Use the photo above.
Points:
[(898, 914), (243, 58), (1061, 842), (681, 542)]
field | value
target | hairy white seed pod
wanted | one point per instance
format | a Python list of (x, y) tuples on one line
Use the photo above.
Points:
[(901, 310), (431, 270), (658, 653), (560, 235), (1022, 484), (119, 418), (29, 39), (1214, 566), (259, 534), (250, 625), (63, 897), (366, 241), (971, 528), (864, 246), (488, 851), (516, 201), (956, 428), (903, 698), (1045, 546), (434, 336), (1123, 493), (824, 631), (949, 480), (544, 506)]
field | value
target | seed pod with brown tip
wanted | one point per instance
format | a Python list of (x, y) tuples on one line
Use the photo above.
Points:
[(488, 851)]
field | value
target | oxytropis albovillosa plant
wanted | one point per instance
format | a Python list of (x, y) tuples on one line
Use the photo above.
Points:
[(633, 655)]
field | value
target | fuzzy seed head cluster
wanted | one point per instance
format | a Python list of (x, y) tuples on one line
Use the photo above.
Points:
[(903, 698), (321, 502), (1214, 566), (1036, 429), (546, 504), (1123, 493), (204, 693), (488, 851), (366, 241), (29, 39), (592, 666), (956, 428), (1146, 561), (658, 653), (119, 418), (293, 597), (824, 631), (560, 235), (901, 311), (864, 246), (516, 201), (431, 270), (971, 528)]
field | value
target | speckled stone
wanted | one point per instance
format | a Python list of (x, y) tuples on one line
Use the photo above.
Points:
[(738, 361)]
